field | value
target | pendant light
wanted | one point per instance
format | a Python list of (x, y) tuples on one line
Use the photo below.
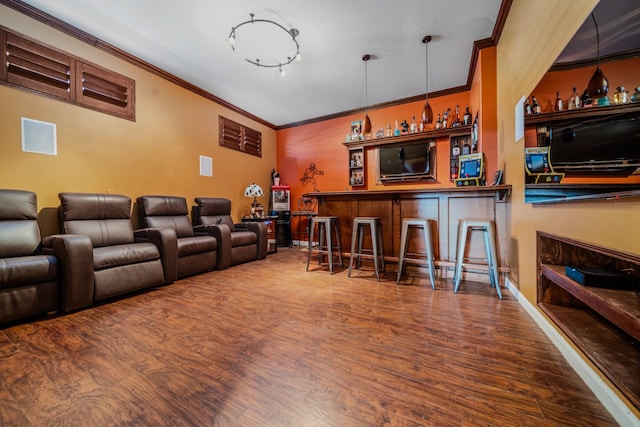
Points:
[(366, 127), (427, 112), (598, 85)]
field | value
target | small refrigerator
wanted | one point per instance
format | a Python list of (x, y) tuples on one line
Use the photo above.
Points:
[(281, 195)]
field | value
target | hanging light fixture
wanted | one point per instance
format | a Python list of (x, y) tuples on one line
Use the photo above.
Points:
[(293, 33), (366, 127), (427, 112), (598, 85)]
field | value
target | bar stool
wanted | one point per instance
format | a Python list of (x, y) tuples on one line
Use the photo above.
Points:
[(487, 227), (423, 224), (357, 234), (326, 224)]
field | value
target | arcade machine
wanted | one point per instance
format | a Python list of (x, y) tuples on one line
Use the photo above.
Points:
[(471, 170), (538, 166)]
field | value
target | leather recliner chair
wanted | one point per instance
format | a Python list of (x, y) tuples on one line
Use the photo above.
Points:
[(121, 260), (237, 243), (33, 280), (196, 253)]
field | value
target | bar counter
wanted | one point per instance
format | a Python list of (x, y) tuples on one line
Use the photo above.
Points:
[(444, 206)]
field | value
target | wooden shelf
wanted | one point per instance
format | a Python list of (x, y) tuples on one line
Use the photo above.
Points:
[(419, 136), (581, 113), (562, 193), (620, 307), (603, 323)]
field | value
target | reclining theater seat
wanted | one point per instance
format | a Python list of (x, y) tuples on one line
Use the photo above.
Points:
[(29, 283), (196, 253), (237, 243), (121, 261)]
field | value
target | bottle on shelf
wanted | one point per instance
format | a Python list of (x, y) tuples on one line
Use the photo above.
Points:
[(388, 132), (621, 96), (574, 100), (585, 99), (636, 95), (413, 128), (396, 130), (445, 118), (455, 150), (527, 107), (438, 122), (466, 148), (454, 170), (466, 118), (558, 104), (535, 107), (456, 119)]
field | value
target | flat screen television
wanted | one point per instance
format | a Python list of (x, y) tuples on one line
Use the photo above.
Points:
[(608, 146), (406, 162)]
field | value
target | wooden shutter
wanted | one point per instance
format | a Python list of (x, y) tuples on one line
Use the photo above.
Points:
[(238, 137), (33, 66), (105, 90)]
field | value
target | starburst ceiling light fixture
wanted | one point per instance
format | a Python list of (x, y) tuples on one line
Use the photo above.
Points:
[(427, 112), (293, 33)]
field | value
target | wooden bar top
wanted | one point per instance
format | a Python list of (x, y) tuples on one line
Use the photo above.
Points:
[(502, 191)]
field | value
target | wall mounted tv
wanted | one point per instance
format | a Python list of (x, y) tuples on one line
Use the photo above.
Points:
[(408, 162), (599, 146)]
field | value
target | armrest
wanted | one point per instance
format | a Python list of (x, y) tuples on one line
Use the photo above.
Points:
[(222, 233), (75, 253), (260, 228), (167, 242)]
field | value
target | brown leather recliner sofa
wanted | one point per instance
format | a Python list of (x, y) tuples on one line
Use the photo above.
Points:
[(237, 243), (196, 253), (33, 279), (120, 261)]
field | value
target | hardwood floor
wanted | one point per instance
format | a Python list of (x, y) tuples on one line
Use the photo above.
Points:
[(268, 344)]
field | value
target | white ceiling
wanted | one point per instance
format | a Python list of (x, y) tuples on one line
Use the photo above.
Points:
[(188, 39)]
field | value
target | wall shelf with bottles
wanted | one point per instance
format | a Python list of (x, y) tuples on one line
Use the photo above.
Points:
[(430, 134), (357, 167), (458, 145), (580, 113)]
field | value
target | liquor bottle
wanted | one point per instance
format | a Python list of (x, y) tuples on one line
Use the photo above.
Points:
[(438, 122), (388, 132), (558, 104), (413, 128), (456, 119), (585, 99), (445, 118), (396, 130), (454, 170), (466, 148), (535, 107), (455, 150), (574, 100), (527, 107), (466, 118)]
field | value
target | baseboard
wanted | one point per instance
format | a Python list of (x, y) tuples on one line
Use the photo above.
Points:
[(611, 401)]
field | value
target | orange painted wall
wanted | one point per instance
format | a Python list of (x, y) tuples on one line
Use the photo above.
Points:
[(156, 154), (322, 143)]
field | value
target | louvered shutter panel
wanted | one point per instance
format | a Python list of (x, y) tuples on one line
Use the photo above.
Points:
[(36, 67), (105, 90)]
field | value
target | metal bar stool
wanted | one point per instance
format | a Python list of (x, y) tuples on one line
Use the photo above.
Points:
[(325, 225), (357, 234), (423, 224), (487, 227)]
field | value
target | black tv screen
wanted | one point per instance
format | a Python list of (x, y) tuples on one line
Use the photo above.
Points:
[(595, 141), (407, 159)]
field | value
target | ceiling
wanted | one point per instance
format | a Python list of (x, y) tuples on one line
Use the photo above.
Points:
[(188, 39)]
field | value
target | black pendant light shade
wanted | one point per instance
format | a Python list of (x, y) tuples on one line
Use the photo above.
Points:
[(598, 85)]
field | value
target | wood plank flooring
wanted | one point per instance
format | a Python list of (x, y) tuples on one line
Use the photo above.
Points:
[(268, 344)]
